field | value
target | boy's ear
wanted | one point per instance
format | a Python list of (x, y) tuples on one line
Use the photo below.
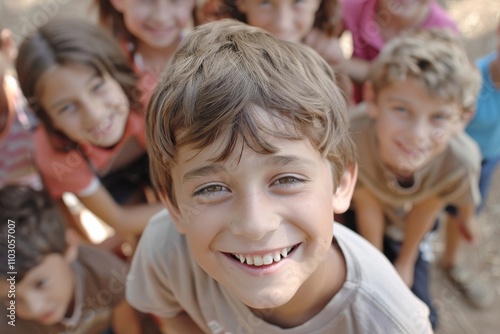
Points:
[(467, 116), (72, 241), (369, 99), (117, 4), (173, 212), (343, 194)]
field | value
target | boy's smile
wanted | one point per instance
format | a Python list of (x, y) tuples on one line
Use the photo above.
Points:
[(260, 224)]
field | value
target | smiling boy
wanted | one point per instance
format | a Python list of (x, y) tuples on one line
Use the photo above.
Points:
[(252, 157), (413, 155)]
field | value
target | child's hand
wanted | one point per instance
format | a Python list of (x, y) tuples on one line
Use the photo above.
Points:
[(406, 271), (327, 47)]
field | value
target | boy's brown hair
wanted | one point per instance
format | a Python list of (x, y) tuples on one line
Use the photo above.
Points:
[(35, 222), (434, 57), (65, 41), (328, 16), (221, 72)]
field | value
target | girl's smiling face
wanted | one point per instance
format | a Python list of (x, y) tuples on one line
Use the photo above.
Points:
[(156, 23), (83, 105)]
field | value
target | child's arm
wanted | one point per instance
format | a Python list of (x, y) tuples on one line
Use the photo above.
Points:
[(180, 324), (369, 217), (466, 222), (329, 48), (124, 219), (125, 320), (420, 220)]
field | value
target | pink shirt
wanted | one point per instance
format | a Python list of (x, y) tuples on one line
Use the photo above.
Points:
[(359, 19), (69, 171)]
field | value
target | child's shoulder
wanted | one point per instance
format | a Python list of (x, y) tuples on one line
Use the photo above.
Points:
[(375, 290), (463, 153), (101, 264)]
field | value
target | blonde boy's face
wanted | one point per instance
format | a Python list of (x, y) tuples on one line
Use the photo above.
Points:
[(412, 127), (259, 224), (287, 20), (45, 293)]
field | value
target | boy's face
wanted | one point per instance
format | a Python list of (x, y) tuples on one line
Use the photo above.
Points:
[(259, 224), (45, 293), (287, 20), (412, 127)]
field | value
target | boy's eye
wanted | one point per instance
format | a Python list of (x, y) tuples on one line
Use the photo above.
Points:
[(210, 190), (40, 283), (288, 180), (97, 85), (401, 109), (66, 108)]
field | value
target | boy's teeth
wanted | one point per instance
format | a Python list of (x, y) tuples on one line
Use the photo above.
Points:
[(266, 259)]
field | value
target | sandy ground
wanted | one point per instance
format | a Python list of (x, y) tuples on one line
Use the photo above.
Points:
[(476, 19)]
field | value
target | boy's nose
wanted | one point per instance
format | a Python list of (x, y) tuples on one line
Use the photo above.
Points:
[(35, 305), (93, 112), (419, 130), (254, 217)]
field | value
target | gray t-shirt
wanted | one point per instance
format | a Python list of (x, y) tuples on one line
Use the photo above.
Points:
[(164, 279)]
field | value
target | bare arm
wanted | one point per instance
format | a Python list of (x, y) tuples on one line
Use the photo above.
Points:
[(419, 221), (125, 319), (180, 324), (356, 69), (369, 217), (124, 219), (329, 48), (466, 221)]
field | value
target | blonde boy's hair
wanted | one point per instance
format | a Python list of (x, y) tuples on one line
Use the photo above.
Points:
[(219, 75), (434, 57)]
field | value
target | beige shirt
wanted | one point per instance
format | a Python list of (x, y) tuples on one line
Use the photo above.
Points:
[(165, 279), (452, 176)]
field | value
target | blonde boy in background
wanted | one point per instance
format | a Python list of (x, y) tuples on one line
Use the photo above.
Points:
[(413, 155)]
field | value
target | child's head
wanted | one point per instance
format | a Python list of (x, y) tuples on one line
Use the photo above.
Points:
[(422, 89), (158, 24), (78, 82), (286, 19), (32, 227), (250, 148)]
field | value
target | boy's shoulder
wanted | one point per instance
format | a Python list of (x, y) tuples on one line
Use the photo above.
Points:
[(378, 293), (176, 282), (100, 279)]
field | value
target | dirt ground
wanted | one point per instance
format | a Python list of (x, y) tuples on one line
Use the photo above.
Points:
[(476, 19)]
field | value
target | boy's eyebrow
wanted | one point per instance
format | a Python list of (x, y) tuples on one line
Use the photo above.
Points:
[(203, 171), (287, 160), (274, 161)]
